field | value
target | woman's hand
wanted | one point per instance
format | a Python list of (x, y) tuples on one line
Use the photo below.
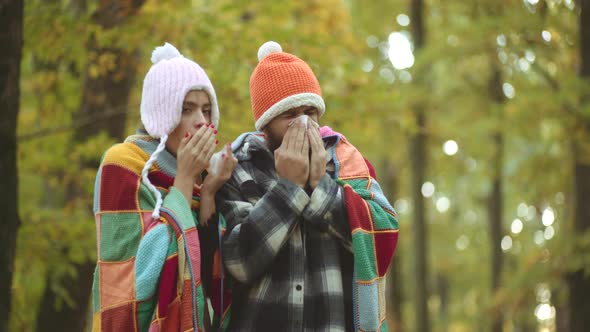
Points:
[(213, 182), (194, 152), (192, 158)]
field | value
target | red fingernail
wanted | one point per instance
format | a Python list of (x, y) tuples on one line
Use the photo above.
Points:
[(223, 155), (199, 125), (216, 142), (215, 131), (187, 134), (212, 126)]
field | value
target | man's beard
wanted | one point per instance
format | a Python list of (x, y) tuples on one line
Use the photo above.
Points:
[(273, 142)]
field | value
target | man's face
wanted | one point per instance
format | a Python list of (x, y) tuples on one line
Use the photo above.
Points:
[(276, 129)]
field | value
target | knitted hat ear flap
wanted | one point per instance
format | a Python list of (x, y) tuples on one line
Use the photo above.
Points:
[(146, 180)]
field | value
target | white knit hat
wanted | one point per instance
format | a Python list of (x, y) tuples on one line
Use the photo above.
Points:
[(165, 86)]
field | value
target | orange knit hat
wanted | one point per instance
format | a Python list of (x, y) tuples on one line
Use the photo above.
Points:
[(280, 82)]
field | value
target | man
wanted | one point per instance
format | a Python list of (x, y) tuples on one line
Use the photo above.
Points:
[(309, 233)]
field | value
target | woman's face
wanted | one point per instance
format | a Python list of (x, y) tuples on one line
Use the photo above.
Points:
[(196, 111)]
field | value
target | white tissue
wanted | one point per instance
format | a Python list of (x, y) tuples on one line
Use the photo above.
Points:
[(215, 162), (306, 120), (300, 119), (303, 119)]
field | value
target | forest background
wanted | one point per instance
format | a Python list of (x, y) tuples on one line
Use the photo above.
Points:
[(476, 115)]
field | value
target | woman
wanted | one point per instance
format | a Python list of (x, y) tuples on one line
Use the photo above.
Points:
[(154, 207)]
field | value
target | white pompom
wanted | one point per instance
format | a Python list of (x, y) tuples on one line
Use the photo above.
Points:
[(165, 52), (268, 48)]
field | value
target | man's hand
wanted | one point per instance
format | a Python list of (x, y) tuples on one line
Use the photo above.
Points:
[(292, 157), (317, 163)]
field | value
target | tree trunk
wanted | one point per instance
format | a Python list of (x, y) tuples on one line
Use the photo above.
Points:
[(443, 292), (562, 314), (417, 19), (578, 281), (395, 293), (418, 160), (103, 107), (495, 199), (104, 98), (11, 39), (54, 317), (418, 167), (390, 183)]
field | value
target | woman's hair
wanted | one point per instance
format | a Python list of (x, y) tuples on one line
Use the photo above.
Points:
[(141, 129)]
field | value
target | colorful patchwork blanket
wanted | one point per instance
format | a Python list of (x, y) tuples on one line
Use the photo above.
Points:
[(148, 272), (374, 227)]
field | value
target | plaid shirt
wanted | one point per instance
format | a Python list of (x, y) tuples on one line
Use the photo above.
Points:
[(290, 253)]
